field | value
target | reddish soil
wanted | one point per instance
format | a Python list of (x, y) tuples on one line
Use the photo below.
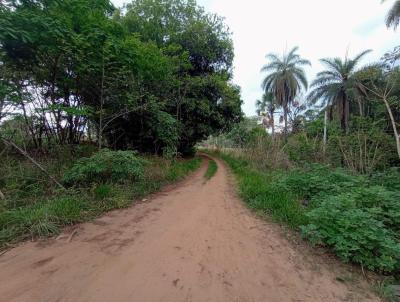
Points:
[(195, 241)]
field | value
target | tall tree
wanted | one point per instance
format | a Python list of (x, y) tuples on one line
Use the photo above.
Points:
[(393, 16), (285, 79), (338, 84)]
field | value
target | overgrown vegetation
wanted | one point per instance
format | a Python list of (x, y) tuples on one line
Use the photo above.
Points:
[(354, 215), (88, 91), (80, 70), (211, 169), (35, 207), (106, 165), (325, 162)]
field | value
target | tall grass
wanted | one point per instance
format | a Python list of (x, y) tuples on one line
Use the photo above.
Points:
[(47, 211), (258, 190)]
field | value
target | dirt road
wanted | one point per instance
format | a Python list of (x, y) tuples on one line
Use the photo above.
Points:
[(192, 242)]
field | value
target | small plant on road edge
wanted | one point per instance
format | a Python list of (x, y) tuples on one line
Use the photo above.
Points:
[(211, 170)]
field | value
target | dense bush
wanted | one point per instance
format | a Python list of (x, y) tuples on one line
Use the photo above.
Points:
[(359, 228), (106, 166), (358, 216), (314, 181), (302, 148), (389, 179)]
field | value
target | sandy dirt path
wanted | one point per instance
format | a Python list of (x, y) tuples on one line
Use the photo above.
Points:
[(192, 242)]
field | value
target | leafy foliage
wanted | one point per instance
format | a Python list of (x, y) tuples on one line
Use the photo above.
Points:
[(351, 213), (124, 79), (105, 166), (355, 230), (338, 84)]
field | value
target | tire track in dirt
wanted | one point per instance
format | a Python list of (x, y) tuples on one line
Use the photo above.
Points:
[(194, 241)]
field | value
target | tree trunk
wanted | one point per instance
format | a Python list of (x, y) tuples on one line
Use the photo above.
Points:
[(100, 137), (12, 144), (285, 115), (325, 129), (273, 124), (396, 133), (347, 114), (344, 112), (360, 107)]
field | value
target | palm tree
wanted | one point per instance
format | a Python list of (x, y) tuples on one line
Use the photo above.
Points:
[(393, 16), (337, 85), (267, 105), (285, 79)]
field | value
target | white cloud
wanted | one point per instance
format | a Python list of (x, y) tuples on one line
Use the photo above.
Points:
[(321, 28)]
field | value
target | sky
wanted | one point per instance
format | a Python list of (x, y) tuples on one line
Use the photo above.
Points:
[(321, 28)]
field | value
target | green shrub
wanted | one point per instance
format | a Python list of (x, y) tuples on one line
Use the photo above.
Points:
[(389, 179), (356, 234), (316, 180), (104, 166)]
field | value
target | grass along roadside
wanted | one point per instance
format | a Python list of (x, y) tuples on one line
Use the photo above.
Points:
[(46, 216), (352, 215), (258, 191), (320, 200), (211, 170)]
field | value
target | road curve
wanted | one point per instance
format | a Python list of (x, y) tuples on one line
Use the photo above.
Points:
[(194, 241)]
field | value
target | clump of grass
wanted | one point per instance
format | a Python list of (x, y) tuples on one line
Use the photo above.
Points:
[(102, 191), (42, 219), (181, 168), (211, 170), (261, 195), (385, 291)]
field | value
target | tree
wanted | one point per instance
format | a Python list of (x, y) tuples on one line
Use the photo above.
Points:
[(267, 105), (393, 16), (285, 79), (337, 85), (383, 85), (80, 64), (199, 94)]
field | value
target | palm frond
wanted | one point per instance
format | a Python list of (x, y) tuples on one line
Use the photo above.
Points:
[(393, 16)]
